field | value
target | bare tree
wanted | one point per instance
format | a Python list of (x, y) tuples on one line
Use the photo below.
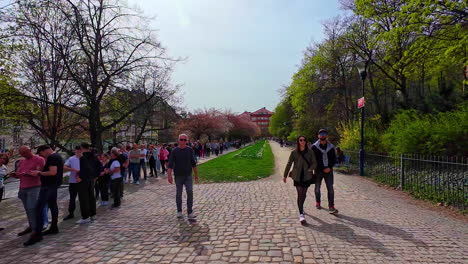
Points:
[(103, 46)]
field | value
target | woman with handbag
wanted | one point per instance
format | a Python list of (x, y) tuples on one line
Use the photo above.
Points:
[(302, 173)]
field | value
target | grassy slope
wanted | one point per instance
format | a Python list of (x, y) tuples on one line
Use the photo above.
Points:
[(235, 169)]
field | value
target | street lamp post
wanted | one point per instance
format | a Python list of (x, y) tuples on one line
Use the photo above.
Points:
[(362, 68)]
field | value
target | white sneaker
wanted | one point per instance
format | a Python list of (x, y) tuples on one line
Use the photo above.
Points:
[(104, 203), (83, 221), (302, 218), (93, 218), (138, 183), (192, 216), (180, 215)]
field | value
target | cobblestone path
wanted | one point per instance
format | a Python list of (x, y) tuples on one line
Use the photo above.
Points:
[(250, 222)]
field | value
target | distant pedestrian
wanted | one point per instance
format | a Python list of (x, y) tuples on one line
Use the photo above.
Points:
[(73, 166), (104, 179), (340, 157), (208, 149), (326, 158), (143, 160), (303, 172), (3, 175), (163, 157), (125, 157), (182, 162), (134, 166), (116, 177), (153, 156), (90, 168), (3, 172)]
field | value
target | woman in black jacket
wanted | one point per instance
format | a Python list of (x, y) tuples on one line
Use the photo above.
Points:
[(302, 173)]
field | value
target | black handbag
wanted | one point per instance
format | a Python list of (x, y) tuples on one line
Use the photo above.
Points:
[(312, 174)]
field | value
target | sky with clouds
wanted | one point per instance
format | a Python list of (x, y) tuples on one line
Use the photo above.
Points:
[(239, 52)]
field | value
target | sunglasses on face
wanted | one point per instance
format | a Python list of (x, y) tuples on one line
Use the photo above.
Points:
[(322, 134), (302, 140), (182, 139)]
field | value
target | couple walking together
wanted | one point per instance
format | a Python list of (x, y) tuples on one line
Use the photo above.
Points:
[(312, 166)]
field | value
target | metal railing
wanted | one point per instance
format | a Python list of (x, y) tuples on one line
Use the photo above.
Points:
[(439, 179)]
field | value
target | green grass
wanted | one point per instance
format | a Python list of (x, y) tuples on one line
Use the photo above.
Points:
[(229, 168)]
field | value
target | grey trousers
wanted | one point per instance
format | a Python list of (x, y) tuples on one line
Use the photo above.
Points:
[(180, 181), (29, 197)]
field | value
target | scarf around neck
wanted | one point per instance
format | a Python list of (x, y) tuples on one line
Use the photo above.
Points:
[(324, 151)]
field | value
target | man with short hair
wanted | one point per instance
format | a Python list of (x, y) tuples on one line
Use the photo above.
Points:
[(143, 160), (326, 158), (134, 166), (30, 185), (73, 166), (90, 168), (182, 162), (51, 179)]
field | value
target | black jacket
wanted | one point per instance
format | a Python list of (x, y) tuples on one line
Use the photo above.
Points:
[(331, 158), (90, 167)]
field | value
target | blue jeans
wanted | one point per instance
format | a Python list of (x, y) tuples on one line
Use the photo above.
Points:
[(180, 181), (29, 198), (123, 171), (45, 215), (134, 168), (158, 165)]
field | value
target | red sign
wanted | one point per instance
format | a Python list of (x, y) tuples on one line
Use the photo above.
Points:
[(360, 102)]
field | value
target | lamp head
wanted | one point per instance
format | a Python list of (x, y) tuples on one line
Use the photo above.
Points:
[(362, 68)]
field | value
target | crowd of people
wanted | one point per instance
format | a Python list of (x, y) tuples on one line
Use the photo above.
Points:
[(97, 176)]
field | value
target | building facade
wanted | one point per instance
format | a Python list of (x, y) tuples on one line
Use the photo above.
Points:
[(261, 117)]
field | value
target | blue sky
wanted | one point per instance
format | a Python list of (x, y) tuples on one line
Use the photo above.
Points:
[(239, 52)]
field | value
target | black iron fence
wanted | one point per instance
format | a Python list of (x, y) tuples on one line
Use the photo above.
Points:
[(439, 179)]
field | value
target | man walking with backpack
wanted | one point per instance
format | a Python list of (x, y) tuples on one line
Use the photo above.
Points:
[(326, 158)]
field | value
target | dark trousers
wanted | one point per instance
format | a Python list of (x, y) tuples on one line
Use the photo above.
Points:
[(152, 164), (87, 198), (217, 152), (180, 181), (163, 166), (103, 187), (134, 169), (73, 191), (47, 196), (143, 167), (207, 152), (117, 191), (329, 182), (1, 193)]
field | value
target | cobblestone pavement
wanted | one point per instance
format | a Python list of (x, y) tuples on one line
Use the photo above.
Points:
[(248, 222)]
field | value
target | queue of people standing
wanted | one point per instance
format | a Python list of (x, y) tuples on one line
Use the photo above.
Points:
[(92, 176), (312, 164)]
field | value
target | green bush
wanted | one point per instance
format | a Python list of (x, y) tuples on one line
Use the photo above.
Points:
[(351, 135), (438, 134)]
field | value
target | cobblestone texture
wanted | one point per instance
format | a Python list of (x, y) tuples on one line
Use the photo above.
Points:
[(250, 222)]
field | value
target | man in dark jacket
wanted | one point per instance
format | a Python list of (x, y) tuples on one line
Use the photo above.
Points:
[(326, 158), (89, 171)]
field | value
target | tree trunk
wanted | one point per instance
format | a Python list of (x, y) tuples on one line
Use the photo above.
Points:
[(95, 128)]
